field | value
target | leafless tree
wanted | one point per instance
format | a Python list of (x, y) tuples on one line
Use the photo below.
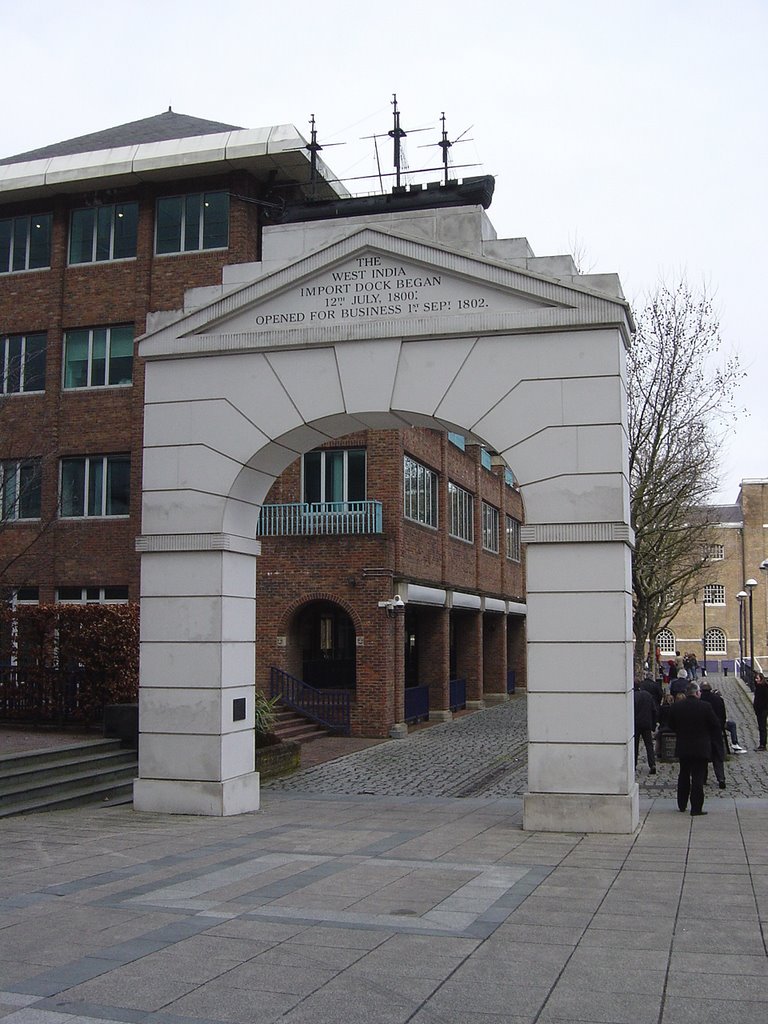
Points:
[(680, 403)]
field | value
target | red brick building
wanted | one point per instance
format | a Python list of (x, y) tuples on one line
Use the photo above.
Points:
[(98, 232)]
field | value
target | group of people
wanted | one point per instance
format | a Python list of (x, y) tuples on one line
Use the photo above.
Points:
[(696, 714), (670, 669)]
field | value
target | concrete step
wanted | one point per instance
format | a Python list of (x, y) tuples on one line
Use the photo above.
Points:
[(290, 725), (92, 772)]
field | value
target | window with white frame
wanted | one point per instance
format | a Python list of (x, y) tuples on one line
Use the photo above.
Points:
[(98, 357), (490, 528), (513, 538), (419, 492), (461, 506), (22, 363), (716, 641), (714, 593), (714, 552), (92, 595), (102, 233), (192, 222), (20, 489), (665, 641), (25, 243), (95, 485), (333, 475)]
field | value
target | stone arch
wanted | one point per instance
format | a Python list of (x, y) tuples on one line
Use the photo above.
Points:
[(319, 595), (237, 390)]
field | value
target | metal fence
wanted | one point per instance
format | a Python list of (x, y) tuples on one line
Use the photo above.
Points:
[(321, 519), (51, 696)]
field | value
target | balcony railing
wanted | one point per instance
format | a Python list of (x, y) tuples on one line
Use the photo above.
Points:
[(320, 519)]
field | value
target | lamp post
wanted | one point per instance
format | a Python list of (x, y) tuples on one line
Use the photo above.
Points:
[(750, 585), (741, 598), (704, 635)]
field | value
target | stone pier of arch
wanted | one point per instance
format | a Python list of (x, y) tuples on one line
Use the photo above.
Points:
[(461, 331)]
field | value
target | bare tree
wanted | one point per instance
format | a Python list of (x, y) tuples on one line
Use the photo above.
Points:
[(680, 402)]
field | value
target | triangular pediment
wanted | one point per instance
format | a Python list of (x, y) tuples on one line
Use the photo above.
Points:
[(374, 284)]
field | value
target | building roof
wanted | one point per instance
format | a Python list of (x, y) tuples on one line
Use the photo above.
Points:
[(726, 513), (159, 128)]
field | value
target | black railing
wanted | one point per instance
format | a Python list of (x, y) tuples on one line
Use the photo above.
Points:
[(416, 704), (51, 696), (330, 708), (458, 694), (511, 681)]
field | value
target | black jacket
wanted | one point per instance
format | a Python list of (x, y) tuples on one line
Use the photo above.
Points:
[(646, 714), (716, 702), (656, 690), (698, 730)]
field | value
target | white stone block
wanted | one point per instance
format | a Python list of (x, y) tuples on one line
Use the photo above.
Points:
[(576, 664), (531, 406), (367, 370), (199, 758), (194, 711), (585, 498), (567, 717), (218, 799), (575, 568), (425, 371), (594, 400), (197, 664), (198, 574), (579, 768), (312, 382), (561, 812), (578, 618)]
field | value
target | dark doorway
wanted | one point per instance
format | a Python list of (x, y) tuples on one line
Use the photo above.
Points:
[(327, 640)]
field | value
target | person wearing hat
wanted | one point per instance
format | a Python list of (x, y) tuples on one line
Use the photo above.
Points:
[(698, 731)]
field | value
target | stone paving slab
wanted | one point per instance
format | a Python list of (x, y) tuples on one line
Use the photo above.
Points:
[(420, 908)]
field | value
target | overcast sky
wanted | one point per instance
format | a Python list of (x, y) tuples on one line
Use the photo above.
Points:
[(634, 133)]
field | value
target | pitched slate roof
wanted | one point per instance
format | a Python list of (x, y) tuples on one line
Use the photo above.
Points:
[(726, 514), (160, 128)]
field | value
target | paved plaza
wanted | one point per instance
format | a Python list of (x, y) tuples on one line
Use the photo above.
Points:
[(394, 885)]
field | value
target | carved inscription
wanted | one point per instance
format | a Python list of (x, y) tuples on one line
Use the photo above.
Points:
[(372, 287)]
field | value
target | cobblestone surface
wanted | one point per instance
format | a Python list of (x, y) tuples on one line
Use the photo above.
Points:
[(484, 755)]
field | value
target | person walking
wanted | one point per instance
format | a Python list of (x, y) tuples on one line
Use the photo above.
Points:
[(697, 729), (760, 705), (646, 716)]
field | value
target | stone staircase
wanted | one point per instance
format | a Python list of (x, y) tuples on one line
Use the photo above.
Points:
[(95, 772), (290, 725)]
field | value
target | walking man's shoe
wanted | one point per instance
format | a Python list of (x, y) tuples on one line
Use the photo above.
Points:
[(721, 783), (759, 748), (652, 771), (696, 814)]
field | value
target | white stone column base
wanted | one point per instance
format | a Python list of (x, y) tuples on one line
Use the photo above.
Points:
[(399, 731), (582, 812), (495, 698), (217, 799), (441, 716), (475, 705)]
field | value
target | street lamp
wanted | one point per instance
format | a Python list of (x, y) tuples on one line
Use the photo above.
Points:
[(741, 597), (750, 584)]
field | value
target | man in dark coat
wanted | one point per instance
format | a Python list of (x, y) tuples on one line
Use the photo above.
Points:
[(655, 688), (697, 730), (646, 716), (760, 704)]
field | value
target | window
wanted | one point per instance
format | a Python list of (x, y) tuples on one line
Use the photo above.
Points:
[(103, 233), (22, 363), (458, 440), (95, 485), (461, 505), (714, 593), (334, 476), (513, 539), (20, 489), (714, 552), (25, 243), (98, 357), (716, 641), (485, 459), (490, 528), (193, 222), (420, 492), (665, 641), (92, 595)]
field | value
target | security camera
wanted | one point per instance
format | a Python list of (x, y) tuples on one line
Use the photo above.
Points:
[(398, 602)]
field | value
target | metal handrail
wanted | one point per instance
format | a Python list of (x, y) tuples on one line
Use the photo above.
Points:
[(329, 708)]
